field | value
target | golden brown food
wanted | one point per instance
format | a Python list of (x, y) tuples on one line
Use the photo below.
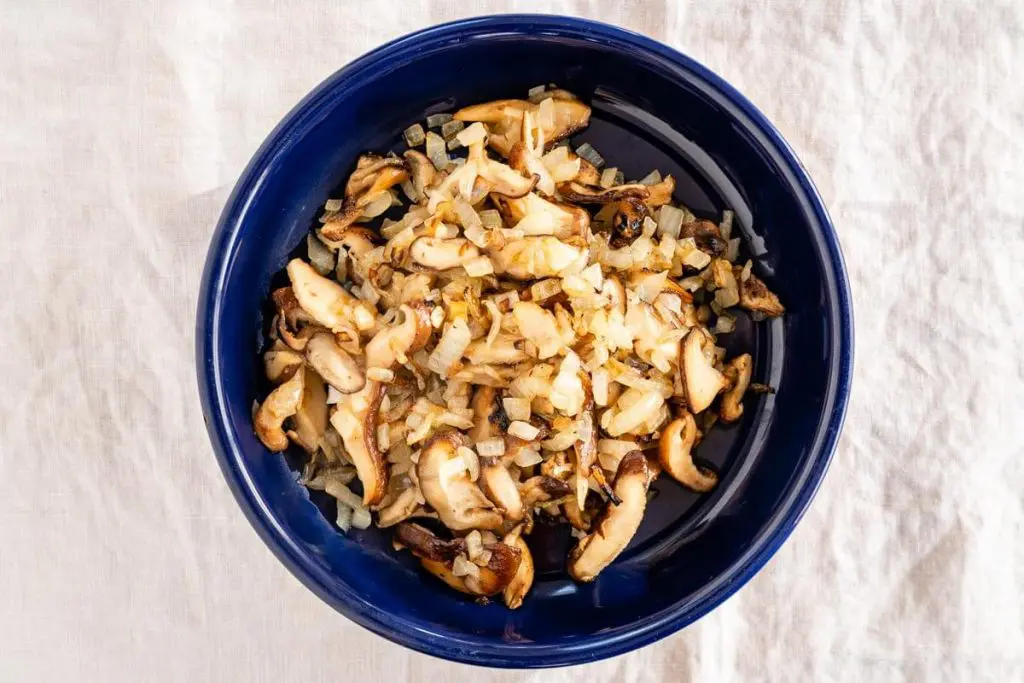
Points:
[(493, 327)]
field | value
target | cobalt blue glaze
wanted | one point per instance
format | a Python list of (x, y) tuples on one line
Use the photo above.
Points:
[(653, 108)]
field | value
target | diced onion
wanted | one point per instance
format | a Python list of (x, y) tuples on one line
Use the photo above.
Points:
[(725, 227), (377, 205), (473, 134), (450, 128), (545, 289), (527, 457), (414, 135), (608, 177), (344, 519), (516, 408), (451, 347), (479, 266), (474, 544), (587, 151), (635, 415), (490, 448), (436, 151), (652, 178), (599, 386), (523, 430), (385, 375), (320, 256), (438, 120), (490, 219), (670, 220), (361, 518)]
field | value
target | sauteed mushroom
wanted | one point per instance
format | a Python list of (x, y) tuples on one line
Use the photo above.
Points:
[(505, 344)]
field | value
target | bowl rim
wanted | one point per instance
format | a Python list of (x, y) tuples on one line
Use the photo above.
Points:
[(499, 654)]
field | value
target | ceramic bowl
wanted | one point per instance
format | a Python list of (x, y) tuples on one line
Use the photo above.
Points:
[(652, 108)]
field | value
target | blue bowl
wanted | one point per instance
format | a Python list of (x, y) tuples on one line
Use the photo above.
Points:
[(653, 108)]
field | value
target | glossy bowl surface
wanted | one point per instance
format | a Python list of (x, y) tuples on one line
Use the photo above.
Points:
[(653, 108)]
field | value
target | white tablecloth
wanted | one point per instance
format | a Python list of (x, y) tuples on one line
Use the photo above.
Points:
[(123, 556)]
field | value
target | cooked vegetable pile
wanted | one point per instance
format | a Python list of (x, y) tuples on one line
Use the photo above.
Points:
[(534, 335)]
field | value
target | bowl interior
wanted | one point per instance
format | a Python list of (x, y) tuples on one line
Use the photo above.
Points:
[(649, 112)]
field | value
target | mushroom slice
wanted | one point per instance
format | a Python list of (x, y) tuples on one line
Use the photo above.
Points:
[(333, 364), (437, 556), (356, 242), (617, 523), (400, 509), (628, 222), (521, 583), (541, 490), (506, 181), (707, 236), (282, 403), (499, 486), (739, 371), (356, 416), (492, 112), (535, 215), (755, 296), (585, 449), (310, 420), (495, 479), (442, 254), (588, 173), (661, 193), (356, 421), (294, 325), (328, 302), (531, 258), (375, 173), (281, 362), (446, 485), (595, 194), (503, 351), (423, 173), (701, 381), (676, 458), (568, 117)]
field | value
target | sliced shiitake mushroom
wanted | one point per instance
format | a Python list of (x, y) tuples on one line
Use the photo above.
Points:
[(568, 117), (355, 418), (521, 583), (706, 235), (328, 302), (701, 381), (442, 254), (738, 371), (281, 362), (310, 421), (438, 557), (541, 490), (595, 194), (294, 325), (282, 403), (675, 455), (373, 175), (446, 485), (617, 524), (423, 173), (755, 296), (332, 363), (628, 221)]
